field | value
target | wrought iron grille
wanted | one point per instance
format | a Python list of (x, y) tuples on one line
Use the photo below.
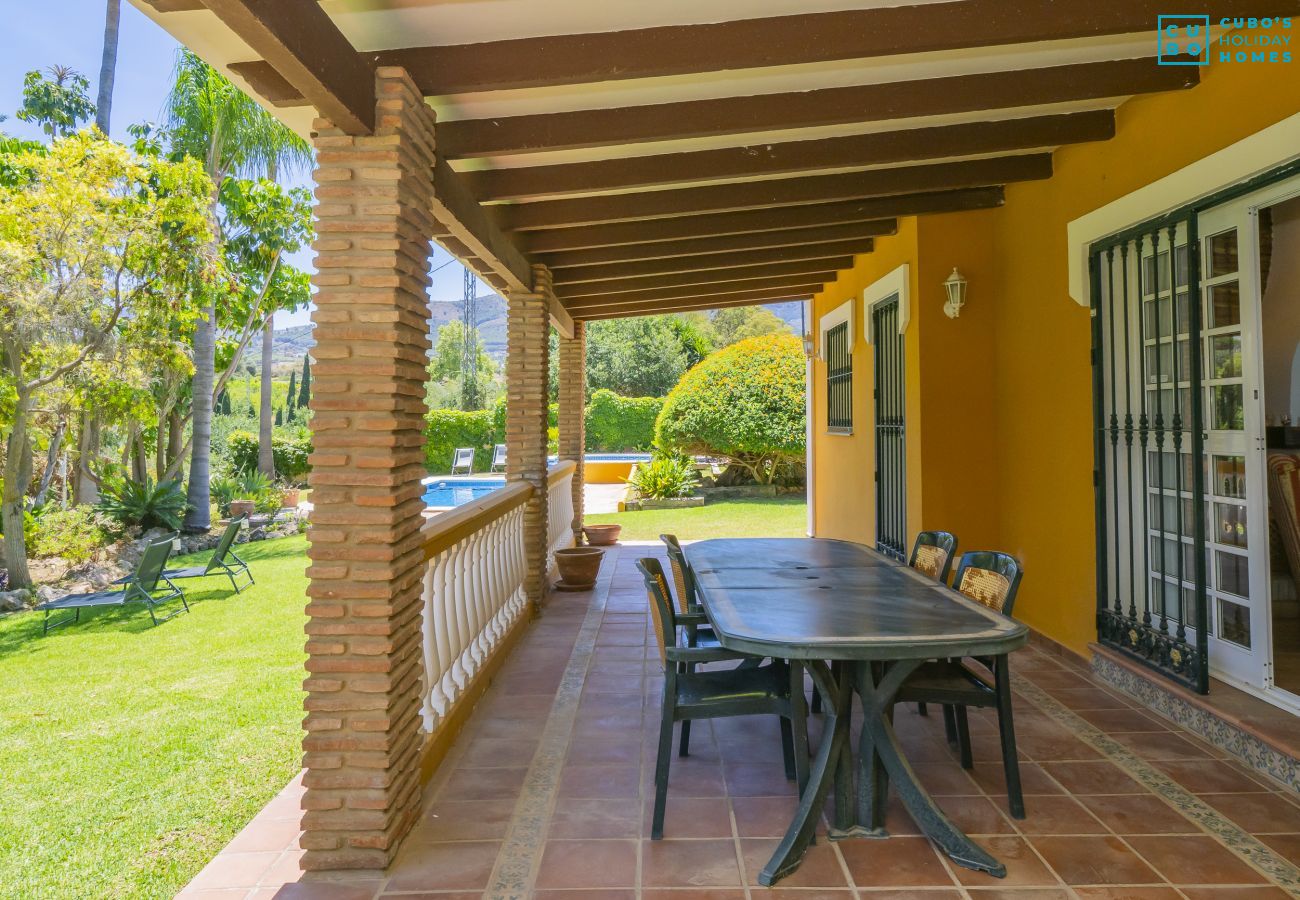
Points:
[(1150, 459), (839, 379), (891, 478)]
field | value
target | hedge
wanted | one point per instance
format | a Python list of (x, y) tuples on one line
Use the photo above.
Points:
[(290, 454), (447, 429), (616, 424), (744, 402)]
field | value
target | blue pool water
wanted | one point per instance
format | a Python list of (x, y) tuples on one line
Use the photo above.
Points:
[(454, 492)]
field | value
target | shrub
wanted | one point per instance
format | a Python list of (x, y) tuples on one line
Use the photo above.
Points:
[(665, 476), (499, 416), (75, 533), (616, 423), (290, 453), (447, 429), (267, 496), (143, 503), (744, 402)]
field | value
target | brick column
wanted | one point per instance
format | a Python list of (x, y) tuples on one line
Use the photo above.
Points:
[(528, 325), (573, 410), (363, 633)]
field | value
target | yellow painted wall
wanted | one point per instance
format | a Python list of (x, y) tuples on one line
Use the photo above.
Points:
[(1003, 433)]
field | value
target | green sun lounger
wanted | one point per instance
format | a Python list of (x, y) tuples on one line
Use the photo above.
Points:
[(149, 585)]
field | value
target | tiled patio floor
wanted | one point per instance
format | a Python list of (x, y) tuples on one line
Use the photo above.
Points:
[(547, 794)]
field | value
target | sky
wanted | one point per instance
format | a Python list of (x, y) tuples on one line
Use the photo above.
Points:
[(37, 35)]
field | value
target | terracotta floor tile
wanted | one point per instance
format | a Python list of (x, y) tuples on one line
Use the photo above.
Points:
[(233, 870), (625, 894), (310, 889), (1235, 893), (1161, 745), (463, 820), (583, 817), (1095, 860), (1089, 698), (265, 835), (1020, 894), (820, 867), (587, 864), (1024, 868), (1117, 720), (600, 781), (1210, 777), (1285, 845), (756, 780), (947, 779), (893, 862), (453, 866), (978, 815), (692, 817), (693, 894), (496, 753), (483, 784), (1057, 814), (670, 863), (621, 751), (1139, 814), (1258, 813), (1100, 777), (1194, 859), (759, 817), (1146, 892)]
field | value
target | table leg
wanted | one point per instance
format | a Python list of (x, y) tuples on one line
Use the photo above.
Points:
[(832, 747), (881, 756)]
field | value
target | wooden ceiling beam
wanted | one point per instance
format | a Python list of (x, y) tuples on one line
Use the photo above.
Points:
[(302, 44), (854, 152), (471, 138), (756, 220), (795, 243), (473, 226), (793, 283), (735, 196), (813, 269), (764, 256), (692, 304)]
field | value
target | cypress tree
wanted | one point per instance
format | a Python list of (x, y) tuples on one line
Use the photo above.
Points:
[(304, 389), (293, 388), (279, 416)]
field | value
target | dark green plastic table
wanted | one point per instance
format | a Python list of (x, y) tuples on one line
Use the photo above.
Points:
[(820, 601)]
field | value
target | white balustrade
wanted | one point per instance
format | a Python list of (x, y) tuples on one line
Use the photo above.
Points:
[(559, 505), (473, 591)]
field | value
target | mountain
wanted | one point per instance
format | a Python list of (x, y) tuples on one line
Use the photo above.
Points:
[(291, 343)]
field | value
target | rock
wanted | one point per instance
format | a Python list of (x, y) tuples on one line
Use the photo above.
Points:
[(12, 601), (49, 569), (49, 592)]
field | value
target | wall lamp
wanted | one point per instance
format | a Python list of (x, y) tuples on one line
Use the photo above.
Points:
[(955, 286)]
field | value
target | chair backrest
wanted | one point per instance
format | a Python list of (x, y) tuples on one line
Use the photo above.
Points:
[(151, 565), (932, 554), (990, 578), (661, 607), (683, 580), (499, 455), (223, 546), (464, 458)]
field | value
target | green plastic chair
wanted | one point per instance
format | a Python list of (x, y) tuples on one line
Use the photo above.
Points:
[(148, 584), (742, 691)]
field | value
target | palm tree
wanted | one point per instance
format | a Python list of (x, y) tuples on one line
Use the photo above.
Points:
[(215, 122), (108, 66)]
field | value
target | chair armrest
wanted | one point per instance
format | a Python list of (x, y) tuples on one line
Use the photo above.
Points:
[(703, 654), (692, 618)]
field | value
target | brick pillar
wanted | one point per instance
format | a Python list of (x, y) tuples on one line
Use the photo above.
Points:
[(528, 325), (573, 410), (363, 633)]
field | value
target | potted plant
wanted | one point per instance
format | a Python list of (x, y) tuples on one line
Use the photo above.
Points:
[(602, 535)]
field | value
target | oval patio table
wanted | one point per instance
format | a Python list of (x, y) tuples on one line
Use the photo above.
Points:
[(820, 601)]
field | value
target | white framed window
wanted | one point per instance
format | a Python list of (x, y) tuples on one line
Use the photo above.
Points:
[(836, 333), (897, 283)]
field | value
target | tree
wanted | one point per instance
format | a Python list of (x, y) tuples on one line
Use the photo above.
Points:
[(96, 243), (745, 402), (637, 357), (292, 397), (213, 121), (738, 323), (446, 368), (108, 64), (58, 103), (304, 386)]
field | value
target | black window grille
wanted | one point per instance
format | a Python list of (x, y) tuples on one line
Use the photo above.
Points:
[(839, 379), (891, 475)]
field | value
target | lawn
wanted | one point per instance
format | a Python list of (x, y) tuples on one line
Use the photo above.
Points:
[(759, 517), (134, 753)]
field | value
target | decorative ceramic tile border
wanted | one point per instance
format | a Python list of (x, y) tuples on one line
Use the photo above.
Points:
[(525, 838), (1242, 843), (1246, 747)]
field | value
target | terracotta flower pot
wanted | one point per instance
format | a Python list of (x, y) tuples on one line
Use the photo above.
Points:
[(290, 498), (241, 508), (602, 535), (578, 567)]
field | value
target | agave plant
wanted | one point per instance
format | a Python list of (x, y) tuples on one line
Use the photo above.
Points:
[(144, 503)]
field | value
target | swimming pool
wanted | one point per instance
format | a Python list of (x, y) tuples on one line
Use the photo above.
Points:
[(456, 491)]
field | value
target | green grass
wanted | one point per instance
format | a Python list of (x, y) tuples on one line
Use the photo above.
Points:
[(134, 753), (759, 517)]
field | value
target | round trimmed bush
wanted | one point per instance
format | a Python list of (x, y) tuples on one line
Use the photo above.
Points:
[(744, 402)]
